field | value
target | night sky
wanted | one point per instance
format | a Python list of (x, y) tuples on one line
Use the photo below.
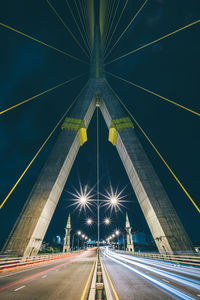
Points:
[(170, 68)]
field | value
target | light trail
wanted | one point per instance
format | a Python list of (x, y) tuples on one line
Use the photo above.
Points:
[(195, 284), (124, 261), (191, 271)]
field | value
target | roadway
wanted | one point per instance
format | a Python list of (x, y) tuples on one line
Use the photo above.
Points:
[(142, 279), (63, 279)]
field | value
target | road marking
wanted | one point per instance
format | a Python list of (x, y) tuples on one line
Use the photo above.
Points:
[(44, 276), (158, 282), (33, 276), (88, 281), (165, 280), (111, 284), (198, 295), (21, 287)]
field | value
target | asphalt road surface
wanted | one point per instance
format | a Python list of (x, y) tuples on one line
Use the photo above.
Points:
[(63, 279), (136, 278)]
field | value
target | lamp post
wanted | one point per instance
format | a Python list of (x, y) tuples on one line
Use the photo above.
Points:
[(117, 233), (83, 199), (78, 233)]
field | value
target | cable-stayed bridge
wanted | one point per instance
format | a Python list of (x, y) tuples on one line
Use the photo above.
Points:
[(97, 25)]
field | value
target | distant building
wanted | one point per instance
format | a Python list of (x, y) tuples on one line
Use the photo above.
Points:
[(140, 238)]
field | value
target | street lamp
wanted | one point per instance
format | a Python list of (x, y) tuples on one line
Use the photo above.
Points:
[(114, 201), (107, 221), (117, 232), (79, 233), (83, 200), (89, 221)]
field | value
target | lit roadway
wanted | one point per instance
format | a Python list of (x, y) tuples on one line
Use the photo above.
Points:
[(132, 278), (63, 279), (139, 278)]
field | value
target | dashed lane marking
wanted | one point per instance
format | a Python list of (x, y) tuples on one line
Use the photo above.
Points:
[(19, 288), (165, 280)]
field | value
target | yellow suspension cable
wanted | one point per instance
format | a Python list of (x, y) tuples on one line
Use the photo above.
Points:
[(78, 27), (111, 25), (104, 18), (109, 22), (155, 94), (83, 13), (117, 23), (127, 27), (90, 20), (108, 14), (40, 42), (70, 32), (156, 150), (107, 17), (153, 42), (81, 21), (38, 95), (40, 149)]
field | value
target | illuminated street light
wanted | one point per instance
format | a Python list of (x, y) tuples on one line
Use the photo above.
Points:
[(107, 221), (79, 232), (83, 235), (117, 232), (113, 235), (89, 221), (114, 201), (83, 200)]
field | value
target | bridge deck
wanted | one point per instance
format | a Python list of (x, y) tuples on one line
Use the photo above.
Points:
[(144, 279), (63, 279)]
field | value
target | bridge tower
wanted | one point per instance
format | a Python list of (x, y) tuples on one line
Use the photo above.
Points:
[(68, 228), (166, 228), (129, 238)]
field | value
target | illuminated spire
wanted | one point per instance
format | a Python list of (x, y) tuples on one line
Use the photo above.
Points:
[(68, 226), (127, 222)]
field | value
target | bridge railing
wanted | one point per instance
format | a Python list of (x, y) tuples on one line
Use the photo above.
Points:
[(7, 263), (192, 259)]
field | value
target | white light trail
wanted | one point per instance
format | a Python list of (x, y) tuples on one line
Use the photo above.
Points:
[(169, 288)]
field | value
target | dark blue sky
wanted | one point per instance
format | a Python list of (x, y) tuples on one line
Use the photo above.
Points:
[(170, 68)]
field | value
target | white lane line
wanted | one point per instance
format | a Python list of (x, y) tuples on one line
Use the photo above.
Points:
[(198, 295), (19, 288), (165, 280), (158, 282), (44, 276)]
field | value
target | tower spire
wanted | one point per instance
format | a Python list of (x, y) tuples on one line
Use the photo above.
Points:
[(68, 228), (129, 238)]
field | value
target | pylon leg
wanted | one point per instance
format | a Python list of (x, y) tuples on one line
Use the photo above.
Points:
[(164, 223), (31, 226)]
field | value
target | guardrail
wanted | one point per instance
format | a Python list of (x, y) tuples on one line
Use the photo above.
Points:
[(100, 287), (192, 259), (7, 263)]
